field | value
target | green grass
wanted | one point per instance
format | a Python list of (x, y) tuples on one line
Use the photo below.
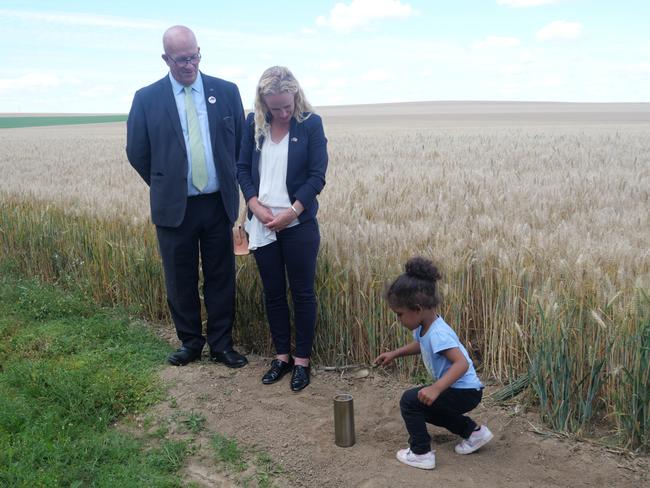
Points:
[(229, 453), (250, 465), (266, 470), (68, 372), (193, 421), (36, 121)]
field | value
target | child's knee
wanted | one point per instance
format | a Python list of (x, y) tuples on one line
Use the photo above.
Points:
[(409, 399)]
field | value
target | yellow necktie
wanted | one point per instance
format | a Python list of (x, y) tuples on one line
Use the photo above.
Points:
[(199, 170)]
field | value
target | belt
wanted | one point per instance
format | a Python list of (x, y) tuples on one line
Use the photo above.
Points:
[(204, 196)]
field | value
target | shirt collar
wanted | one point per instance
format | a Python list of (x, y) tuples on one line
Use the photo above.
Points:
[(177, 88)]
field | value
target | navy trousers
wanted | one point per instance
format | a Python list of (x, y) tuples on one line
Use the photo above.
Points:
[(205, 231), (293, 256), (447, 411)]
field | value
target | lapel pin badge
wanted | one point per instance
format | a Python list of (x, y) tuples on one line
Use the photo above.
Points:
[(294, 139), (212, 100)]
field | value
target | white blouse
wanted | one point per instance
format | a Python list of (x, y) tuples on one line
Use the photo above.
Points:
[(273, 190)]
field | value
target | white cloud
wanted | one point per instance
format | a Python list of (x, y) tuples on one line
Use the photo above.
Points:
[(30, 81), (360, 13), (512, 69), (339, 82), (229, 72), (125, 101), (550, 81), (525, 3), (560, 29), (332, 65), (377, 74), (99, 91), (79, 19), (497, 42), (643, 67), (334, 99), (510, 88), (310, 82)]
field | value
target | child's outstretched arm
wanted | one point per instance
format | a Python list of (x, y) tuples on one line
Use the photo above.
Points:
[(428, 394), (385, 358)]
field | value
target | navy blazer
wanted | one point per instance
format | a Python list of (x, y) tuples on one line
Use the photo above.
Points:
[(306, 165), (155, 146)]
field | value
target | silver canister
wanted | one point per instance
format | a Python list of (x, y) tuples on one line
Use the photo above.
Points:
[(344, 420)]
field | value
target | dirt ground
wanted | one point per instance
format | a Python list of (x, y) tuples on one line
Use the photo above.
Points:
[(297, 431)]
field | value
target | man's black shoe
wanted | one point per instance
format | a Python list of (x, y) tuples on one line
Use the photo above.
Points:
[(183, 356), (231, 358)]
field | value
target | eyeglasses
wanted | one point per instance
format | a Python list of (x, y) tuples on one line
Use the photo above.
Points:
[(193, 59)]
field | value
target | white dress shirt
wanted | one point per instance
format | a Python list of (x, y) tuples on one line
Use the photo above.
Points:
[(273, 190)]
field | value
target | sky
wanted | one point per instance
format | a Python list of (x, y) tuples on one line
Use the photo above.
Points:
[(84, 56)]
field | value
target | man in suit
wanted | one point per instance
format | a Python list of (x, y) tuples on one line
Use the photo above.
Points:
[(183, 139)]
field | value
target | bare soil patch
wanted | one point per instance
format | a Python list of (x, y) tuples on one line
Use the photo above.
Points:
[(297, 431)]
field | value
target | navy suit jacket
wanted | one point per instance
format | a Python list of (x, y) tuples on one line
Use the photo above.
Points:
[(155, 146), (306, 165)]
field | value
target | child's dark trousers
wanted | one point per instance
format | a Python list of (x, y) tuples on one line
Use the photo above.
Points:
[(447, 411)]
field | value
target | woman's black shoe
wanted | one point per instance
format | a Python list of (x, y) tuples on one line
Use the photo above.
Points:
[(278, 369), (299, 377)]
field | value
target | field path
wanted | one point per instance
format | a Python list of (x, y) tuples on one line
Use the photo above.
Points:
[(297, 430)]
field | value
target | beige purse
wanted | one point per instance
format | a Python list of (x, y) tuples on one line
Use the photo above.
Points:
[(240, 241)]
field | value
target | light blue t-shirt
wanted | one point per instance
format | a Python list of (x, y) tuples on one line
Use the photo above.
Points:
[(438, 338)]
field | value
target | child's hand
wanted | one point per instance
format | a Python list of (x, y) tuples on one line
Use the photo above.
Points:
[(428, 395), (384, 359)]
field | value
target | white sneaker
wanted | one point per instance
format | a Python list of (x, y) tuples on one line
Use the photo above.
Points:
[(477, 440), (422, 461)]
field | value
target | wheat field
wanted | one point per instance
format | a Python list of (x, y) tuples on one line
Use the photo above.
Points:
[(537, 215), (573, 199)]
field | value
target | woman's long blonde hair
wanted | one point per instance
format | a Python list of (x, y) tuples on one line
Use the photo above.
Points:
[(276, 80)]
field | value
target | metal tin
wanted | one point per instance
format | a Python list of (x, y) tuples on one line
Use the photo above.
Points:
[(344, 420)]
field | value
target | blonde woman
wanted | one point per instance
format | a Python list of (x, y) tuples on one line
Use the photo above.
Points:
[(281, 169)]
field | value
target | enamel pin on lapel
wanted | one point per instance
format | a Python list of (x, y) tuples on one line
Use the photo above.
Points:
[(294, 139), (212, 100)]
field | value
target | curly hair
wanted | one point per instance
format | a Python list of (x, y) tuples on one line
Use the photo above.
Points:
[(416, 287), (275, 80)]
